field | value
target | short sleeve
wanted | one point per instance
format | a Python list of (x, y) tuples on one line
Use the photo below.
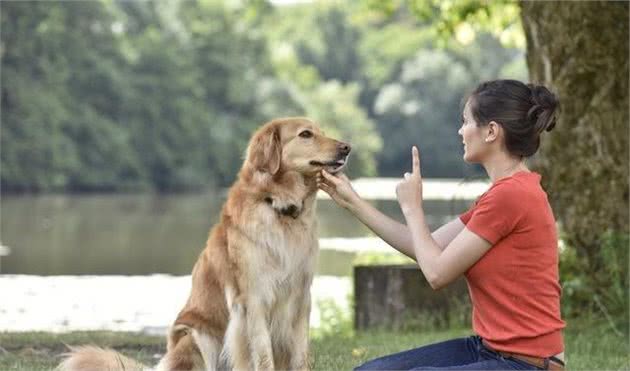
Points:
[(465, 217), (495, 215)]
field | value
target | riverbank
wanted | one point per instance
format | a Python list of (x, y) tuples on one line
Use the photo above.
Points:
[(145, 304)]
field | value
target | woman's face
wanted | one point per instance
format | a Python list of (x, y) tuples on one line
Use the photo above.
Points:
[(473, 137)]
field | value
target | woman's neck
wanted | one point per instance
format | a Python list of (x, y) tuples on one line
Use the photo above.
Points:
[(503, 166)]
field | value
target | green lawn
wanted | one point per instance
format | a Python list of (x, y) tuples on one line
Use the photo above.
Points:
[(589, 347)]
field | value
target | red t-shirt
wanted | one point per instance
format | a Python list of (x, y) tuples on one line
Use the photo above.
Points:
[(514, 287)]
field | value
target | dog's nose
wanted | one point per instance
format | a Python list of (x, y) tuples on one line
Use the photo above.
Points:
[(344, 148)]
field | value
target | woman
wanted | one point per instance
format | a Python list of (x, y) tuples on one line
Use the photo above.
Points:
[(505, 245)]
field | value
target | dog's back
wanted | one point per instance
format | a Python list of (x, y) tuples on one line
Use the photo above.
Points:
[(98, 359)]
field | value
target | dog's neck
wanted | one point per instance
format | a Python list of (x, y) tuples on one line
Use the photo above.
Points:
[(289, 193), (291, 210)]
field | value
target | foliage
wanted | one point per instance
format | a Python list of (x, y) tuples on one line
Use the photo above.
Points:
[(460, 20), (116, 96), (321, 77), (407, 106), (604, 290), (334, 321), (120, 96), (410, 88), (42, 124)]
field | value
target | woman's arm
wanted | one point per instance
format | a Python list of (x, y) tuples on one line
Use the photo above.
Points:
[(391, 231), (440, 267)]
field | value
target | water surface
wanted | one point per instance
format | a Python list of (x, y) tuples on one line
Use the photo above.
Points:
[(146, 234)]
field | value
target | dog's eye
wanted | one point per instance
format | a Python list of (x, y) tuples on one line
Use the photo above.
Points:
[(306, 134)]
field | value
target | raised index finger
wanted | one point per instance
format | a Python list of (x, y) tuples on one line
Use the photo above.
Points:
[(415, 161)]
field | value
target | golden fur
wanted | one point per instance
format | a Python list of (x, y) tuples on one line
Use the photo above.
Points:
[(250, 300)]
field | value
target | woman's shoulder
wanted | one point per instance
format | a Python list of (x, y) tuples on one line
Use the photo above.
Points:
[(516, 188), (517, 182)]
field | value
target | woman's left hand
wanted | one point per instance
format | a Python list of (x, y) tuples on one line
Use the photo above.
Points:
[(409, 190)]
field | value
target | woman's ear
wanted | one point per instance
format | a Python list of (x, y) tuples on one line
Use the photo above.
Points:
[(265, 150), (493, 131)]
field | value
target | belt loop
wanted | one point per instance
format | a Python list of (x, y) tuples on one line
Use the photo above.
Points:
[(546, 364)]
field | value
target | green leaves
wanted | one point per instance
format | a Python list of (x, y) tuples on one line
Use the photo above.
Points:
[(118, 96), (462, 20), (106, 95)]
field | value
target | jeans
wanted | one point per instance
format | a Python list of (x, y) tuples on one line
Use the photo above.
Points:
[(458, 354)]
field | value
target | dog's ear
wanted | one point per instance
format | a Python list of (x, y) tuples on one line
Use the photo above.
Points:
[(265, 150)]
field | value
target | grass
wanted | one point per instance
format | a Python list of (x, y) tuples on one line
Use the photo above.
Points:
[(591, 346)]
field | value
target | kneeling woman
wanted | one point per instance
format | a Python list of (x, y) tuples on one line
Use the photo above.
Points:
[(505, 245)]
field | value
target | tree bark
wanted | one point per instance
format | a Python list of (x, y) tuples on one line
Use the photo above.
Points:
[(395, 296), (580, 51)]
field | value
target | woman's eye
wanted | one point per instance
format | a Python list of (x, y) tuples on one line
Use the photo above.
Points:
[(306, 134)]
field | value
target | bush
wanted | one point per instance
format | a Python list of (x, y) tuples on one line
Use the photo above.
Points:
[(599, 285)]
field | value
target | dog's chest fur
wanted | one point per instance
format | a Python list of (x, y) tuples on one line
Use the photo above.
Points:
[(286, 243), (282, 259)]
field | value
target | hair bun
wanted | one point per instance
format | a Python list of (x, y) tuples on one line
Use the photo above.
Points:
[(544, 104)]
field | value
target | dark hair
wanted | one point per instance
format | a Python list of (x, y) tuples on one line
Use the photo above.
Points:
[(524, 112)]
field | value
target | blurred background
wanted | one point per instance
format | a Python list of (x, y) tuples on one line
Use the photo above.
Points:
[(124, 120), (123, 123)]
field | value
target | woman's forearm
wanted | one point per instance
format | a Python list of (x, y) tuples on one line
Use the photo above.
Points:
[(426, 250), (391, 231), (397, 234), (416, 241)]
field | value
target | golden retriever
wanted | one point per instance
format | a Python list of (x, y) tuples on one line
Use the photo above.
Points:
[(250, 300)]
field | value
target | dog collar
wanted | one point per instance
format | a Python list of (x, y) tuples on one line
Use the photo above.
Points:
[(291, 210)]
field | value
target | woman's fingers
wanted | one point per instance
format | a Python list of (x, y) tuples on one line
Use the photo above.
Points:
[(415, 161), (331, 178), (321, 181), (326, 188)]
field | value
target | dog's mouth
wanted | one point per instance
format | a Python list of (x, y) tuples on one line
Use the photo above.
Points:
[(331, 166)]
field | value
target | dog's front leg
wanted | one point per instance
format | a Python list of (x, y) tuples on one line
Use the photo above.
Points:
[(235, 351), (300, 340), (259, 336)]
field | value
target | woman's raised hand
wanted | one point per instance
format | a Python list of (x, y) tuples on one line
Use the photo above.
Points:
[(338, 188), (409, 190)]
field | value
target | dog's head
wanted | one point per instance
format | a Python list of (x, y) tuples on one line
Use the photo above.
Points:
[(295, 144)]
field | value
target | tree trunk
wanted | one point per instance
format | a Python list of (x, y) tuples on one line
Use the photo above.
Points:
[(395, 296), (580, 51)]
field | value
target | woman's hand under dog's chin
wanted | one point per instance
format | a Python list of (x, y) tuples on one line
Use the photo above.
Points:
[(338, 187)]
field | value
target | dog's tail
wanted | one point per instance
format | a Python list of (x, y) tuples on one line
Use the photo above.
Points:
[(97, 359)]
